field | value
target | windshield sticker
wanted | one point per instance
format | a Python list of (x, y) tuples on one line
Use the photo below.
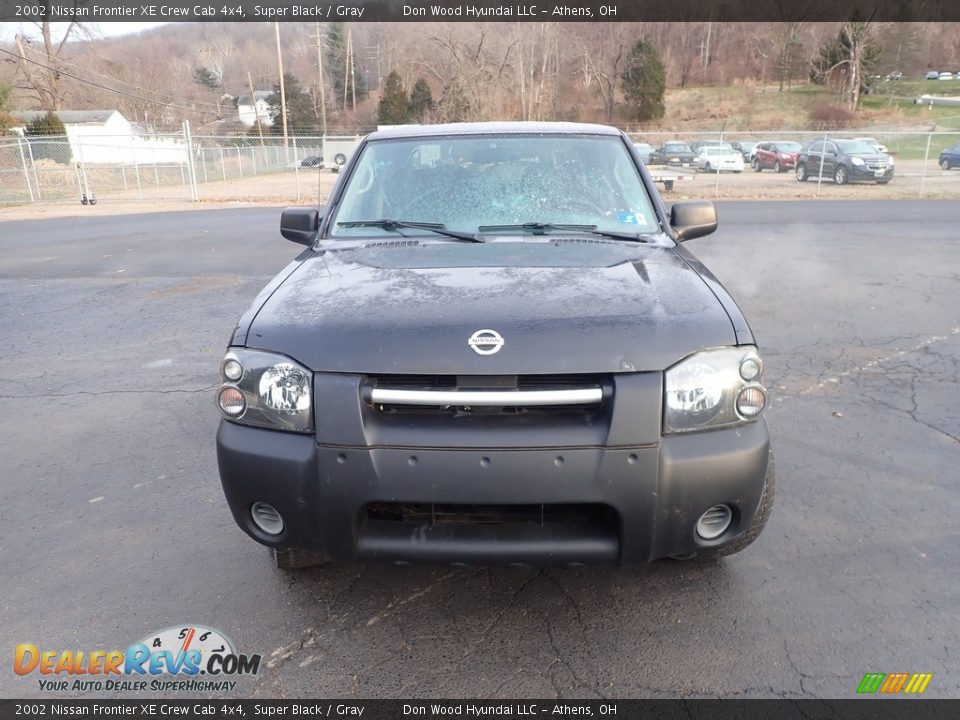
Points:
[(629, 218)]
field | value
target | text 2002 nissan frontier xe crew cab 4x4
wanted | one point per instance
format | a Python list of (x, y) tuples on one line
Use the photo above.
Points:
[(495, 350)]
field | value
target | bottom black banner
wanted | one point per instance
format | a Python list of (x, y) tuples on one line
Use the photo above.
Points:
[(860, 709)]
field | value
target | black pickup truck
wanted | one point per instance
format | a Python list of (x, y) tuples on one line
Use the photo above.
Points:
[(495, 349)]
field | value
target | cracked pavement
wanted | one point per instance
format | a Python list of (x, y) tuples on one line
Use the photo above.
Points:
[(115, 524)]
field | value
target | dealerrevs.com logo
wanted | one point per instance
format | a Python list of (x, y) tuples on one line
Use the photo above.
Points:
[(186, 658)]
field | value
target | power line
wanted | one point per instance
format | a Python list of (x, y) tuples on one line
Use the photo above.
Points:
[(110, 89)]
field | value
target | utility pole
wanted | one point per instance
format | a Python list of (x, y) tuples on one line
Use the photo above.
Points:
[(346, 69), (283, 94), (353, 79), (256, 110), (323, 102)]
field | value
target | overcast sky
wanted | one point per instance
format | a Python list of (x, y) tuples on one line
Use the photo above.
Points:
[(108, 29)]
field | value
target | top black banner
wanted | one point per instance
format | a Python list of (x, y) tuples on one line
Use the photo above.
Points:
[(479, 10)]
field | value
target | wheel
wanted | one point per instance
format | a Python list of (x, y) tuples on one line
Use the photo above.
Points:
[(945, 164), (93, 201), (757, 525), (707, 168), (756, 165), (840, 176), (299, 558), (778, 167), (340, 159), (83, 200), (802, 172), (668, 184)]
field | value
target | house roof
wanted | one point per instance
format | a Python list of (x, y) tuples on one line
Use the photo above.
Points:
[(69, 117), (258, 94)]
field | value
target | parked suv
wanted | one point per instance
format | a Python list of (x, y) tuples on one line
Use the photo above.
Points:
[(779, 156), (844, 161), (495, 348), (950, 157)]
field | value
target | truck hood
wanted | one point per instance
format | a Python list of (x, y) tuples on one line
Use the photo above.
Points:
[(561, 307)]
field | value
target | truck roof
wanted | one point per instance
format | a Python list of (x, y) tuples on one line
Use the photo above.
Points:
[(492, 128)]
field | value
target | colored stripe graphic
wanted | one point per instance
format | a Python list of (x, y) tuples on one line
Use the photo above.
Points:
[(893, 683), (871, 682), (918, 683), (909, 683)]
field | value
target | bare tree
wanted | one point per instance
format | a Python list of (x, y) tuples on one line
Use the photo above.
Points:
[(43, 70)]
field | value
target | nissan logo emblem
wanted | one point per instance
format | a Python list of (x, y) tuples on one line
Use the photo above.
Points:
[(486, 342)]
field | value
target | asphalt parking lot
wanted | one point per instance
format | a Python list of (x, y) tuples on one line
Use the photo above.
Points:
[(114, 524)]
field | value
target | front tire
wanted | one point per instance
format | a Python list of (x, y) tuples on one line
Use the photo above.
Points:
[(802, 173), (840, 176), (945, 164), (778, 167), (757, 525), (299, 558), (756, 165), (760, 519)]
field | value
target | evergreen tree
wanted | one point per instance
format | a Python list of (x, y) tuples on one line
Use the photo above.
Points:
[(45, 126), (6, 121), (644, 82), (337, 64), (48, 124), (203, 76), (394, 107), (301, 118), (421, 101)]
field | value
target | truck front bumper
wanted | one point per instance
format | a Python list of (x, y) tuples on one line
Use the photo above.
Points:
[(622, 505)]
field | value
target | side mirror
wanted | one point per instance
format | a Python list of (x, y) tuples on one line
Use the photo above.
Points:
[(693, 219), (300, 224)]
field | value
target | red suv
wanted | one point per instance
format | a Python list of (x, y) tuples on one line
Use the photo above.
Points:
[(779, 156)]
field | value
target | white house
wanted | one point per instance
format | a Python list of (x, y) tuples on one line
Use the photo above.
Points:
[(107, 137), (249, 108)]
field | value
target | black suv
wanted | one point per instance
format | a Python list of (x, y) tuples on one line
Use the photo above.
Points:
[(844, 161)]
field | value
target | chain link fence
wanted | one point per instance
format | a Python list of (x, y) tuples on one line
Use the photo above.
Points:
[(180, 166)]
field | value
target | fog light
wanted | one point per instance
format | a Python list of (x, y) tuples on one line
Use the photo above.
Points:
[(750, 401), (232, 370), (714, 522), (231, 402), (266, 518)]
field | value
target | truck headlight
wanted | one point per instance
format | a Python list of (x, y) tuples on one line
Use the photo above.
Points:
[(857, 161), (713, 388), (265, 389)]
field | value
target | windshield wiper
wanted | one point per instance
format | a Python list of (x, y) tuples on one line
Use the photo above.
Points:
[(397, 225), (538, 228)]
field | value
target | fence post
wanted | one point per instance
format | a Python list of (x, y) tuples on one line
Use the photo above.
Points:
[(33, 165), (716, 189), (926, 158), (136, 169), (203, 159), (191, 170), (296, 168), (823, 152), (23, 164), (240, 161), (253, 159), (223, 163)]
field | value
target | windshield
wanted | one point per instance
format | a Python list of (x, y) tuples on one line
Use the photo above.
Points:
[(855, 146), (677, 147), (788, 147), (465, 182)]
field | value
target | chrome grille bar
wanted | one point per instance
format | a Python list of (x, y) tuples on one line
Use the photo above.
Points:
[(487, 398)]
